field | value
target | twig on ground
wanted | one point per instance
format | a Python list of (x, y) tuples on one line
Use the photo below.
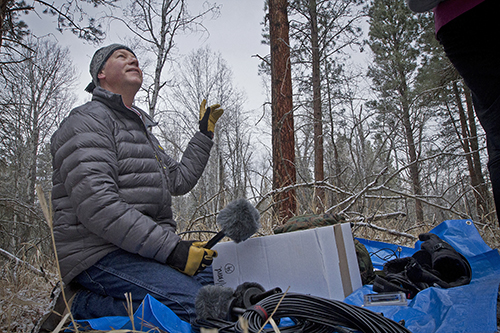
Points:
[(32, 268)]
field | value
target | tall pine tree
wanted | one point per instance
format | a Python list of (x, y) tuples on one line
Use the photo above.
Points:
[(393, 35)]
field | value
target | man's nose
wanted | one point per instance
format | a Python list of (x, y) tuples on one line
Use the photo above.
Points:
[(133, 61)]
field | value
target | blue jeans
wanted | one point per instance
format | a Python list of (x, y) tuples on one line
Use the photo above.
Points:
[(105, 284)]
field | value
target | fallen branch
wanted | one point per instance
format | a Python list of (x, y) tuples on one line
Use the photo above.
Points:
[(408, 195), (322, 184), (389, 231), (376, 217), (351, 200), (12, 257)]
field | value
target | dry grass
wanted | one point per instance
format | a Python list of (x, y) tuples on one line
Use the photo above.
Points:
[(24, 297)]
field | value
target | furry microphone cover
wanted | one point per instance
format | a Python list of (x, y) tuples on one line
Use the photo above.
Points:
[(213, 302), (239, 220)]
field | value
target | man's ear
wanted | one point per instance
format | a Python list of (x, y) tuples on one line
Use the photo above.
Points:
[(101, 75)]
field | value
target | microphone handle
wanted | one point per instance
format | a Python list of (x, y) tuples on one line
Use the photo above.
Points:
[(214, 240)]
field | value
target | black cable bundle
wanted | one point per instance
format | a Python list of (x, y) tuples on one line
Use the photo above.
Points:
[(219, 307), (317, 315)]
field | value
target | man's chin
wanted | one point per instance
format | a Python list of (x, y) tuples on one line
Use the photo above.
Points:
[(135, 80)]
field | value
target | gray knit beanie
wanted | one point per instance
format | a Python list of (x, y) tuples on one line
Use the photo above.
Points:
[(99, 59)]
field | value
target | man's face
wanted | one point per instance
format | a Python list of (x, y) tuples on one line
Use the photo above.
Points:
[(120, 72)]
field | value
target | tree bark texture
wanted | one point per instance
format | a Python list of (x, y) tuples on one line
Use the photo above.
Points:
[(317, 112), (474, 144), (283, 141), (414, 167), (470, 146)]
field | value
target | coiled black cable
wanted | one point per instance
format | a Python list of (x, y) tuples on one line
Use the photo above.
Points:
[(317, 315), (310, 314)]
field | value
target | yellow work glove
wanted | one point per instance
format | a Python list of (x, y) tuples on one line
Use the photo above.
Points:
[(191, 257), (208, 118)]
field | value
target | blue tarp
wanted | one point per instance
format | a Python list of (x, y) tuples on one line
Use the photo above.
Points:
[(151, 314), (470, 308)]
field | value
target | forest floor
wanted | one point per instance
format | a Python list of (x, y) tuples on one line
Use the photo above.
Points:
[(25, 296)]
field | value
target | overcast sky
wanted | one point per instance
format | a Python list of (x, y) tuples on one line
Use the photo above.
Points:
[(236, 34)]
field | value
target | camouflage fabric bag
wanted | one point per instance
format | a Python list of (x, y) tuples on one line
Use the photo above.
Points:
[(365, 263), (303, 222)]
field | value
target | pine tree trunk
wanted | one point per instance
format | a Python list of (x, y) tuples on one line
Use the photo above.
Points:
[(282, 110), (465, 142), (414, 172), (483, 197), (317, 112)]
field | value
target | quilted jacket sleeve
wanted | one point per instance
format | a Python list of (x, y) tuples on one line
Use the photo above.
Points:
[(86, 156), (185, 174)]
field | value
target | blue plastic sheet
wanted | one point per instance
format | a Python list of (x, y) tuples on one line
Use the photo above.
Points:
[(470, 308), (149, 317)]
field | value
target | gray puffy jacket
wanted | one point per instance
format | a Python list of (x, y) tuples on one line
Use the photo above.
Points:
[(112, 184)]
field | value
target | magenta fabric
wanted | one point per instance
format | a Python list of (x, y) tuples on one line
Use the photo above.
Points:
[(450, 9)]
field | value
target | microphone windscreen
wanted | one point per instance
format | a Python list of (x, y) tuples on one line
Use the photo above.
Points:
[(213, 302), (240, 291), (239, 220)]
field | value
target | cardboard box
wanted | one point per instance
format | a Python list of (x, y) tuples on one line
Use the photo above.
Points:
[(320, 262)]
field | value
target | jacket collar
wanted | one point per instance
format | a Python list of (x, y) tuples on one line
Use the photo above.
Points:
[(115, 102)]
